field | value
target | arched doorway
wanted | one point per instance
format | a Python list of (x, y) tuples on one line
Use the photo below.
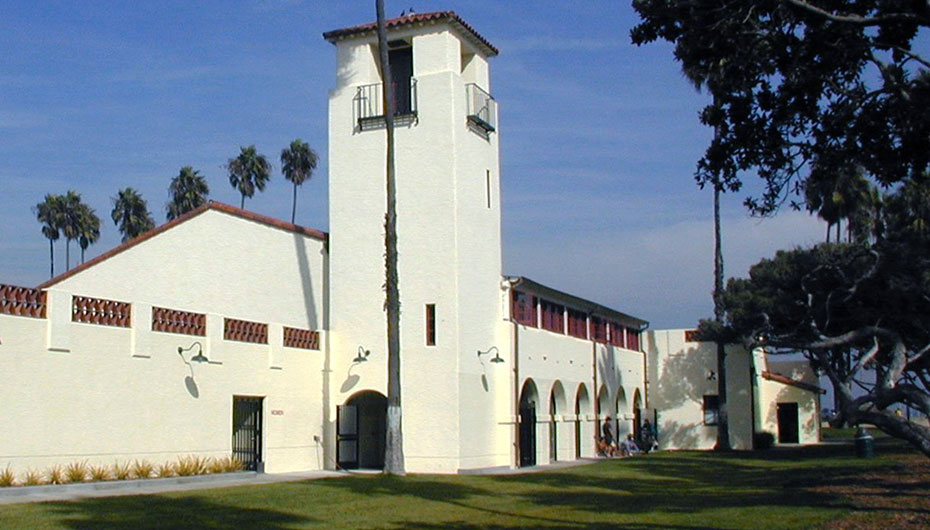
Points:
[(623, 425), (360, 425), (529, 398), (582, 407), (637, 414), (556, 407)]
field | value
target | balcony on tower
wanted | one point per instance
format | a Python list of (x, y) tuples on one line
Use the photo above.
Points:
[(481, 109)]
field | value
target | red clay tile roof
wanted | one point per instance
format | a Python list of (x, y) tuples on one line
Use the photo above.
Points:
[(418, 19), (211, 205), (772, 376)]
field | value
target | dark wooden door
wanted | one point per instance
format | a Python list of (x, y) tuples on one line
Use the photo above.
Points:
[(787, 423), (527, 436), (401, 60), (247, 431)]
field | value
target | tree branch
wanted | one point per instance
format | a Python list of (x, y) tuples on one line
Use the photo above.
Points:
[(859, 20)]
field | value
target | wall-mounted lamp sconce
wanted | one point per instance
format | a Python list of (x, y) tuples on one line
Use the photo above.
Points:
[(497, 354), (199, 357), (362, 355), (711, 375)]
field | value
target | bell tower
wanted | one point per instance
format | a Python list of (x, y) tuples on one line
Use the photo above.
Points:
[(448, 225)]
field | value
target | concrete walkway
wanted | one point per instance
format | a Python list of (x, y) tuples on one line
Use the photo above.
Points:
[(154, 486), (117, 488)]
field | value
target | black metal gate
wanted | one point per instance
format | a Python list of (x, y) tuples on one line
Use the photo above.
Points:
[(347, 436), (247, 431), (527, 436)]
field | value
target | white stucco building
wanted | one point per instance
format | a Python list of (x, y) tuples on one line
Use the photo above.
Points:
[(227, 332)]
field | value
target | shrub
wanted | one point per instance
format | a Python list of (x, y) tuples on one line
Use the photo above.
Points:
[(763, 440), (7, 478), (121, 471), (32, 478), (76, 472), (55, 475), (99, 473), (142, 469)]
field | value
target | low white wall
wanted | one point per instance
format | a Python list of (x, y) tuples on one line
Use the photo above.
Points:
[(679, 377), (98, 400)]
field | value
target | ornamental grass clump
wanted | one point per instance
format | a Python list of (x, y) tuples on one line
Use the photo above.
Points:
[(76, 472), (7, 478), (122, 471), (32, 478), (190, 465), (142, 469), (99, 473), (164, 470), (55, 475)]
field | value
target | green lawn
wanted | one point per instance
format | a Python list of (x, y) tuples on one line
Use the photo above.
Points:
[(769, 489)]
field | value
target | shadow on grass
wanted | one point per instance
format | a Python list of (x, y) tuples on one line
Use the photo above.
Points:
[(160, 513)]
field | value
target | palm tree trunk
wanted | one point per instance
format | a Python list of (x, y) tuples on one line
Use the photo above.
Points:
[(723, 423), (51, 258), (294, 205), (393, 447), (67, 254), (242, 202)]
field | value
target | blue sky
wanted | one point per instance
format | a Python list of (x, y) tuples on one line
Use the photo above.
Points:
[(599, 138)]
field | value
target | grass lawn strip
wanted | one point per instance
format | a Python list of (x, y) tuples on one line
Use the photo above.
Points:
[(823, 486)]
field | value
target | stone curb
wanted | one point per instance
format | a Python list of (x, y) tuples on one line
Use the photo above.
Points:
[(53, 490)]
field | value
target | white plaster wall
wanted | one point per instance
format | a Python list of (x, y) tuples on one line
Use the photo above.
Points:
[(440, 262), (774, 392), (547, 358), (100, 401), (216, 262), (677, 372)]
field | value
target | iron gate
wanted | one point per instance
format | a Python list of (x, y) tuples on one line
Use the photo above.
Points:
[(247, 431), (347, 436), (527, 436)]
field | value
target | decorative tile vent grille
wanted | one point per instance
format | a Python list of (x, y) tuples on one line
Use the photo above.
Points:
[(691, 335), (245, 331), (100, 311), (301, 338), (183, 322), (22, 301)]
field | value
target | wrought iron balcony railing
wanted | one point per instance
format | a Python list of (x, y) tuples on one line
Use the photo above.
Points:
[(369, 103), (481, 108)]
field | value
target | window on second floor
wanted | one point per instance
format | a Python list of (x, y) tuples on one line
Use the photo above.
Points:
[(523, 308), (577, 324), (553, 316), (598, 329)]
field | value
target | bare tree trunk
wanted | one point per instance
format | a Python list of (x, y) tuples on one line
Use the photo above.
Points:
[(723, 423), (294, 205), (393, 447)]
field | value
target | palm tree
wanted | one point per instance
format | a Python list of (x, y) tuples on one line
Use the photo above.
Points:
[(297, 164), (89, 228), (188, 190), (248, 171), (131, 214), (393, 447), (837, 195), (70, 221), (48, 212)]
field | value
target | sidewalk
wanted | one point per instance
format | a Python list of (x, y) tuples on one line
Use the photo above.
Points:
[(154, 486), (117, 488)]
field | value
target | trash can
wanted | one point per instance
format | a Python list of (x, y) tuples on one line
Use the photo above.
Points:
[(865, 443)]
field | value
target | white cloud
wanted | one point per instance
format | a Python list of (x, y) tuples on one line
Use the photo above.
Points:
[(665, 274)]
